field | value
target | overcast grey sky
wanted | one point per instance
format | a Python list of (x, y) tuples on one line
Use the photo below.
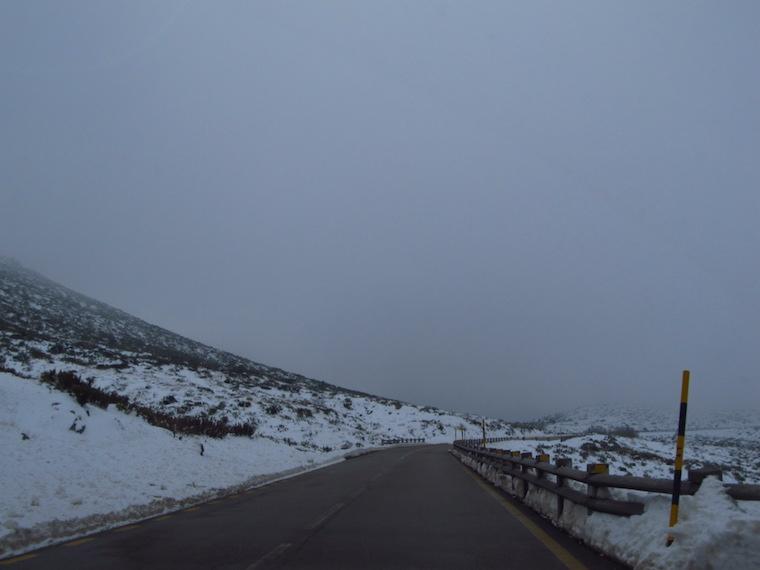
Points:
[(501, 207)]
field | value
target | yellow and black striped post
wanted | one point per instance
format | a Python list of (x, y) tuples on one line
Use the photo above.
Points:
[(678, 467)]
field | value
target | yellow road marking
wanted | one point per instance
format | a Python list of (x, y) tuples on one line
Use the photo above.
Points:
[(16, 559), (126, 528), (552, 545), (163, 518), (78, 542), (191, 509)]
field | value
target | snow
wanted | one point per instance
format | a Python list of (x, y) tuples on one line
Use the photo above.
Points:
[(736, 450), (69, 470), (118, 461), (714, 531), (601, 417), (334, 418), (122, 468)]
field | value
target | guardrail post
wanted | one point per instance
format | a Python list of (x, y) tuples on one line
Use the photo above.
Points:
[(541, 458), (696, 476), (595, 469), (524, 469), (505, 464), (562, 482), (514, 454)]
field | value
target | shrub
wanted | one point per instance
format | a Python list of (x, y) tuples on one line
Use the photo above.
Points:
[(123, 365), (303, 413), (623, 431), (38, 354), (86, 393)]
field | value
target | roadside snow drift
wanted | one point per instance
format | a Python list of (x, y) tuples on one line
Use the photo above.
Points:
[(713, 532), (62, 461)]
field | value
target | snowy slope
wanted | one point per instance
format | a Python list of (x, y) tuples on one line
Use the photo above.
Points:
[(605, 417), (45, 326), (641, 441), (735, 451), (52, 471)]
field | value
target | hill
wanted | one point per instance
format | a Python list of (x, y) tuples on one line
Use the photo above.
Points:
[(601, 418), (47, 327)]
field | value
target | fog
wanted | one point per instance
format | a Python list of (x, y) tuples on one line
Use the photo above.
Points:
[(497, 207)]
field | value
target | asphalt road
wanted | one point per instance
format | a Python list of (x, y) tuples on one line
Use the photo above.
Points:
[(408, 507)]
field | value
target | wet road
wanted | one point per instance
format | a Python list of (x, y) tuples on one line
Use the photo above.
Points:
[(406, 507)]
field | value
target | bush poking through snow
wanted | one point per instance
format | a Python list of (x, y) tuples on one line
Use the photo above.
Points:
[(303, 413), (623, 431), (86, 393)]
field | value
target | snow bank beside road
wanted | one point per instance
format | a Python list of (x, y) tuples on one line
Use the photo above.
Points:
[(714, 530), (62, 461)]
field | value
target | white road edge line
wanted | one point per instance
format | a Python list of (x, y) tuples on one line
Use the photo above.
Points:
[(271, 555), (334, 509)]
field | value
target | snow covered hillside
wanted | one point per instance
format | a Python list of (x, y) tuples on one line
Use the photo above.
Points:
[(44, 326), (641, 441), (95, 467), (600, 417)]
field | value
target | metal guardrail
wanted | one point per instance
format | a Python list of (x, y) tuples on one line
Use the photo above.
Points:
[(534, 471), (537, 437), (402, 440)]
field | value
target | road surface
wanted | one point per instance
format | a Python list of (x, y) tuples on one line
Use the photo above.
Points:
[(406, 507)]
